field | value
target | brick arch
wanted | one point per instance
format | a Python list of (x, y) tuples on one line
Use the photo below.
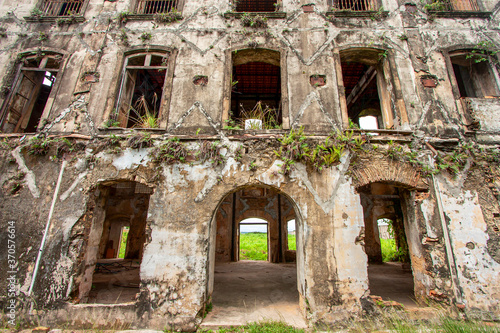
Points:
[(383, 170)]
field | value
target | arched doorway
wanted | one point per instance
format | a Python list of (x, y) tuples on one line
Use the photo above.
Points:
[(251, 290), (386, 243)]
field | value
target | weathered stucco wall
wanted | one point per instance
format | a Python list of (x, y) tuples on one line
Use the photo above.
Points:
[(451, 223)]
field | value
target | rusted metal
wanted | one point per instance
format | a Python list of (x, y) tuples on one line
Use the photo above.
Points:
[(355, 5), (156, 6), (62, 7)]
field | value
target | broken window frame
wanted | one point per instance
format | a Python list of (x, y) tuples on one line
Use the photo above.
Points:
[(493, 80), (391, 108), (236, 52), (121, 115), (141, 6), (27, 109), (56, 8)]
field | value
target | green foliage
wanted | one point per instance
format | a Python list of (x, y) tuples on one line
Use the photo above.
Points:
[(295, 148), (211, 151), (170, 17), (63, 146), (36, 12), (123, 37), (122, 17), (484, 51), (388, 247), (145, 36), (253, 21), (144, 113), (123, 243), (253, 166), (111, 123), (42, 36), (37, 146), (435, 6), (140, 140), (266, 326), (253, 246), (170, 152)]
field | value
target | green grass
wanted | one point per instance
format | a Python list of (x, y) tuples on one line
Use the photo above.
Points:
[(291, 242), (388, 249), (123, 244), (253, 246), (268, 326)]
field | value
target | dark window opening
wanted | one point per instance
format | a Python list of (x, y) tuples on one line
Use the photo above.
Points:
[(354, 5), (62, 7), (474, 79), (256, 93), (25, 105), (460, 5), (361, 92), (156, 6), (256, 5), (142, 90), (116, 276)]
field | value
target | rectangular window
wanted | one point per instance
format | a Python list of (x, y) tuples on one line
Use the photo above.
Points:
[(25, 105), (62, 7), (474, 78), (157, 6), (140, 98), (460, 5), (256, 5), (355, 5)]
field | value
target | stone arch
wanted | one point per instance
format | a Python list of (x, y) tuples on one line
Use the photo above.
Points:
[(385, 170), (253, 213)]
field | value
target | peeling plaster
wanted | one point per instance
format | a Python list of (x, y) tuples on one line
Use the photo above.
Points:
[(130, 158), (30, 176)]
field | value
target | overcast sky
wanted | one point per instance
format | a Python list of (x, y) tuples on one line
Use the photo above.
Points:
[(246, 226)]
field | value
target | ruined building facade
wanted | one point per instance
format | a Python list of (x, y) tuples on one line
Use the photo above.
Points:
[(128, 114)]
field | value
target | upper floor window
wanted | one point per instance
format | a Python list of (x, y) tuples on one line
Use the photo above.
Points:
[(474, 75), (157, 6), (256, 89), (62, 7), (366, 95), (457, 5), (354, 5), (256, 5), (142, 90), (24, 106)]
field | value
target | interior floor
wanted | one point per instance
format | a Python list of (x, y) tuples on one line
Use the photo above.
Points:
[(115, 281), (392, 282), (249, 291)]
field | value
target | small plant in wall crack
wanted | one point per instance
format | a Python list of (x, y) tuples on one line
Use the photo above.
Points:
[(145, 36), (211, 151), (140, 140), (484, 51), (42, 36), (253, 21), (253, 166), (170, 17), (170, 152)]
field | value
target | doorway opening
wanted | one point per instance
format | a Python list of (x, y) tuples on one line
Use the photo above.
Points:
[(245, 290), (386, 244), (116, 249), (254, 239)]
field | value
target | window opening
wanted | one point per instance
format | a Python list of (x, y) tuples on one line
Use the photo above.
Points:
[(116, 276), (123, 242), (24, 107), (354, 5), (256, 94), (142, 90), (291, 240), (62, 7), (157, 6), (253, 239), (256, 5), (460, 5), (474, 79), (361, 91)]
